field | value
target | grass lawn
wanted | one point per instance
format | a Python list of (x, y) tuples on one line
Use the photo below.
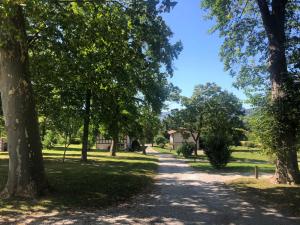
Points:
[(285, 198), (243, 160), (101, 182)]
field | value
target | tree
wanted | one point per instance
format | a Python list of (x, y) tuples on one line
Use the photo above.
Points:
[(217, 114), (119, 66), (213, 115), (260, 46), (26, 175)]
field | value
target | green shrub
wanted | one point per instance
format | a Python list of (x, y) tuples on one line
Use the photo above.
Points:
[(161, 141), (161, 145), (75, 141), (135, 146), (217, 151), (186, 149), (50, 139)]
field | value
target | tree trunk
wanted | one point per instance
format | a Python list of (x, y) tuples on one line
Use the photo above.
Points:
[(144, 147), (287, 170), (26, 174), (86, 124), (114, 145), (196, 139)]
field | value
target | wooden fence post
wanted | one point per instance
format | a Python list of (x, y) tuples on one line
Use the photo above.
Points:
[(256, 172)]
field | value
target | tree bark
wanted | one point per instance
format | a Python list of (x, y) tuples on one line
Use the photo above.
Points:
[(86, 124), (114, 145), (26, 173), (144, 147), (196, 139), (287, 170)]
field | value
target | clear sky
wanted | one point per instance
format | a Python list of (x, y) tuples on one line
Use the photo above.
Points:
[(199, 62)]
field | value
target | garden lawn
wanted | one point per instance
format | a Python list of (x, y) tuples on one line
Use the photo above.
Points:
[(101, 182), (243, 160)]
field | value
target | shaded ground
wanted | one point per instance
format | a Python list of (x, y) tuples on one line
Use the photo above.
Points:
[(101, 182), (181, 196), (283, 197)]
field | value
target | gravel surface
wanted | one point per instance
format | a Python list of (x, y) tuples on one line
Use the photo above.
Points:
[(180, 196)]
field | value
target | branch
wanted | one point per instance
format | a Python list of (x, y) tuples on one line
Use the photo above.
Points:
[(266, 16)]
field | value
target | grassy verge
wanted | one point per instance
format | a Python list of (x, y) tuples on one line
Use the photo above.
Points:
[(101, 182), (165, 151), (285, 198), (243, 160)]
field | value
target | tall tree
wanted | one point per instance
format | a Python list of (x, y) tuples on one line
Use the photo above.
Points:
[(261, 43), (26, 175)]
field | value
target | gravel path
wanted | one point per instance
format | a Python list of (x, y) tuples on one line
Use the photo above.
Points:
[(181, 196)]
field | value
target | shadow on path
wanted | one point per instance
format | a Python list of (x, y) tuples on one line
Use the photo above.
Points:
[(181, 196)]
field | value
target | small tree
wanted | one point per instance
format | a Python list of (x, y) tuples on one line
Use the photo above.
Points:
[(186, 149), (217, 150), (161, 141), (221, 112)]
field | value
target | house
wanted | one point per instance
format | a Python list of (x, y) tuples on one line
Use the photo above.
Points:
[(104, 143), (178, 137)]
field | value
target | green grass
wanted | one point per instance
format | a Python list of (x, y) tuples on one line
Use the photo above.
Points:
[(285, 198), (243, 160), (165, 151), (101, 182)]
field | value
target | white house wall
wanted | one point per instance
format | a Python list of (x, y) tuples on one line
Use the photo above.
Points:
[(177, 139)]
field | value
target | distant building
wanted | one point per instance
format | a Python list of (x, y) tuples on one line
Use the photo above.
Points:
[(105, 143), (3, 145), (178, 137)]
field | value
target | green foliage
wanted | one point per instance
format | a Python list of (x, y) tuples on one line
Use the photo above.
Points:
[(210, 110), (217, 150), (161, 141), (135, 146), (50, 139), (264, 127), (244, 50), (186, 149), (114, 49)]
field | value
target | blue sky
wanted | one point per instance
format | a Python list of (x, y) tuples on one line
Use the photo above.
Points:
[(199, 62)]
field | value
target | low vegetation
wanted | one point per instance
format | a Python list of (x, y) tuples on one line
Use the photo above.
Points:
[(243, 160), (186, 149), (98, 183), (285, 198)]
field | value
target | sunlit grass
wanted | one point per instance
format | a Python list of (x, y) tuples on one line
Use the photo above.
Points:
[(101, 182), (243, 160)]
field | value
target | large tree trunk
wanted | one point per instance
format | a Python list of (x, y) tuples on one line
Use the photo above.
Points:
[(287, 170), (86, 124), (26, 174)]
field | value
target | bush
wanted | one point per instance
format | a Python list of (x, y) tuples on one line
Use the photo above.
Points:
[(217, 151), (50, 139), (135, 146), (161, 145), (186, 149), (75, 141), (161, 141)]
